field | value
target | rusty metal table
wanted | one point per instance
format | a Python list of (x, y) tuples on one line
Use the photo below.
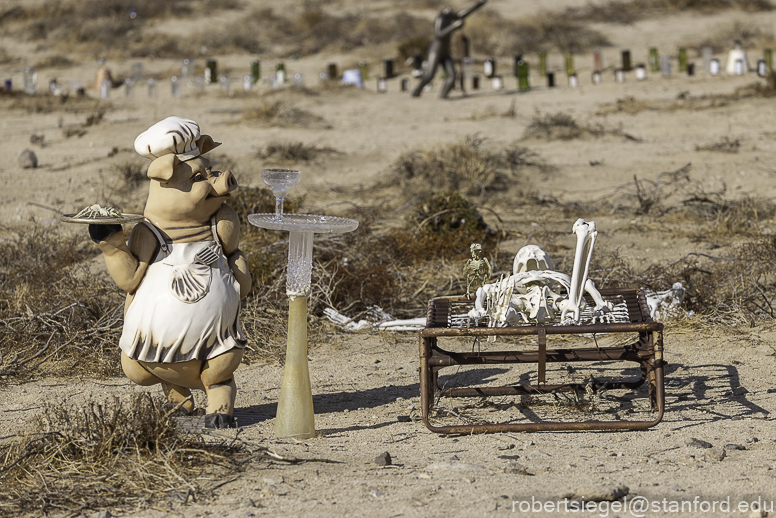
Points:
[(647, 351)]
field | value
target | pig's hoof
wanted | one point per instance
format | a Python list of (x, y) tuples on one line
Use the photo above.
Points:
[(99, 233), (220, 421)]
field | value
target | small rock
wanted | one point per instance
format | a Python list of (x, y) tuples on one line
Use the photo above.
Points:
[(384, 459), (603, 493), (758, 513), (403, 418), (28, 160), (248, 503), (456, 466), (714, 454), (271, 481), (249, 513), (536, 454), (740, 391), (653, 460), (376, 494), (732, 446), (771, 391), (454, 458), (102, 514), (528, 443), (697, 443), (516, 468)]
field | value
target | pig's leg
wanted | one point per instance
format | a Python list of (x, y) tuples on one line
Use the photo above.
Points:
[(220, 388), (141, 375), (176, 394)]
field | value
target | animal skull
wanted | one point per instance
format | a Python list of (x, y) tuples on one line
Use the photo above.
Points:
[(529, 258)]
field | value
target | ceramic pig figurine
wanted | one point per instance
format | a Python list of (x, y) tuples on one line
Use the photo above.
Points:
[(183, 272)]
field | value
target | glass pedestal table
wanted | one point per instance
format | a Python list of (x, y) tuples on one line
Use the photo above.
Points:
[(295, 416)]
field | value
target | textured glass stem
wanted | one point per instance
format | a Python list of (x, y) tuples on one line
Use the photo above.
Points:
[(300, 264), (278, 209)]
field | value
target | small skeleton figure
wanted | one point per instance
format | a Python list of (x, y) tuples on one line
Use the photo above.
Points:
[(477, 270), (534, 293)]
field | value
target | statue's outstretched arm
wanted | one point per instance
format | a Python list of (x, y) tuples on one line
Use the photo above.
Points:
[(441, 33), (466, 11)]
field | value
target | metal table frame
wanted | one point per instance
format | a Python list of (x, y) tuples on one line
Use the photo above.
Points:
[(647, 351)]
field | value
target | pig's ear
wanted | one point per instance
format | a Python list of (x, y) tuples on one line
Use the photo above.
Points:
[(206, 143), (162, 168)]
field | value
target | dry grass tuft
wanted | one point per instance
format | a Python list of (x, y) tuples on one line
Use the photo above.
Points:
[(469, 166), (723, 145), (109, 455), (674, 197), (736, 289), (561, 126), (55, 313), (721, 37), (628, 11), (50, 103), (282, 113), (293, 151)]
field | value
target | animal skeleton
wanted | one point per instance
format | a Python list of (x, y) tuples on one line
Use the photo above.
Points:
[(95, 211), (532, 294)]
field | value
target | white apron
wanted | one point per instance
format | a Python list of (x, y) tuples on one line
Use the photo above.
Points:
[(186, 307)]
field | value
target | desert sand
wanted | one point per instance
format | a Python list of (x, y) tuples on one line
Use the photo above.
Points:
[(365, 384)]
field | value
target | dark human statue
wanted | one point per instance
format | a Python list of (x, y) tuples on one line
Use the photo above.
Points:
[(439, 53)]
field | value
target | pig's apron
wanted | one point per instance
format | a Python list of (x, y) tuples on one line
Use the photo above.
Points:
[(186, 307)]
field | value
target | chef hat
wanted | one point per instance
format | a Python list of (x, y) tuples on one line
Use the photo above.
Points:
[(174, 136)]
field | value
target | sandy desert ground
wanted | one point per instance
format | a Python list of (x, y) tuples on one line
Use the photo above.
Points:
[(365, 385)]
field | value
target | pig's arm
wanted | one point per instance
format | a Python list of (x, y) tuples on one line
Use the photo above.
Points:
[(228, 228), (127, 267)]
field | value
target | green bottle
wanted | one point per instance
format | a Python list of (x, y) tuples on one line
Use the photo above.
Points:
[(654, 60), (569, 64), (682, 60), (255, 71), (768, 56), (522, 75), (542, 64)]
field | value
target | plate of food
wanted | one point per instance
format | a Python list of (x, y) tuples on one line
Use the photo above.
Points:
[(96, 215)]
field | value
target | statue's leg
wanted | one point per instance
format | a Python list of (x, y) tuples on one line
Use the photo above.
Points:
[(462, 79), (433, 63), (450, 81), (220, 387)]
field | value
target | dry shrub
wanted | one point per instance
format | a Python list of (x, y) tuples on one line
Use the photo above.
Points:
[(413, 46), (131, 175), (722, 37), (630, 11), (293, 151), (489, 33), (96, 26), (56, 314), (561, 126), (685, 101), (108, 455), (282, 113), (49, 103), (723, 145), (739, 288), (674, 197), (468, 166)]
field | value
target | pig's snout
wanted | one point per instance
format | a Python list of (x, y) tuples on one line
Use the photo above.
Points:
[(224, 183)]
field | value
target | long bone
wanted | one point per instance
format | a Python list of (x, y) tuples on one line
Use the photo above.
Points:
[(586, 235)]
